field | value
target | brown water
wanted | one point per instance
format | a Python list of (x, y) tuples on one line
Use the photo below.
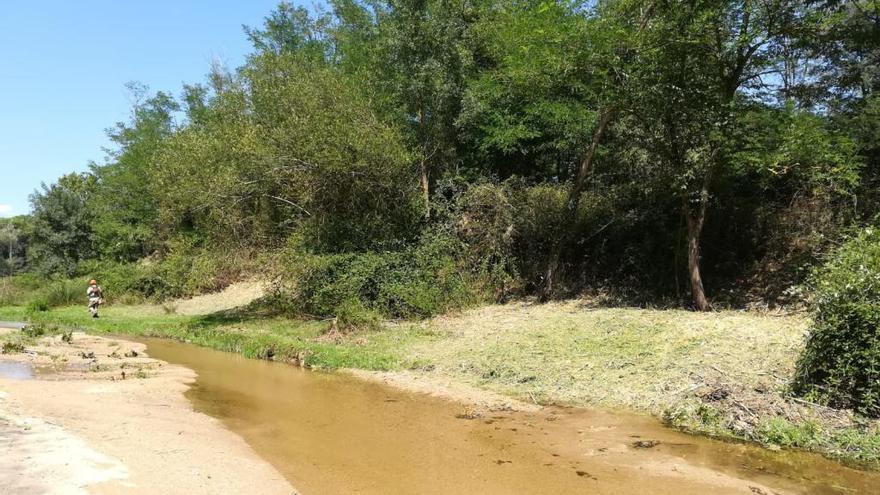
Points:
[(334, 434)]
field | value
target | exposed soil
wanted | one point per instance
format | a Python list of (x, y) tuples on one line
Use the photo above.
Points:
[(101, 417)]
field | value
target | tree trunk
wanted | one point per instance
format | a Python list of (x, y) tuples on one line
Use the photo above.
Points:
[(425, 186), (695, 220), (574, 198)]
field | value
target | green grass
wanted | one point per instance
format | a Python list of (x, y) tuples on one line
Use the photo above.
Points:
[(252, 336)]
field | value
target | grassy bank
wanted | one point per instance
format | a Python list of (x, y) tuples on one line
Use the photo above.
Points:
[(724, 374), (296, 341)]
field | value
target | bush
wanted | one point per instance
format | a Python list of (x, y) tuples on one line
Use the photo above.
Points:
[(419, 281), (57, 293), (37, 305), (12, 347), (184, 270), (840, 365), (509, 230), (65, 292), (778, 431), (17, 290)]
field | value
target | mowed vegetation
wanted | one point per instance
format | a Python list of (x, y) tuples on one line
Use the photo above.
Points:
[(382, 164)]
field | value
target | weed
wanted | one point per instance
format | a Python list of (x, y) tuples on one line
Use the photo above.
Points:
[(778, 431), (37, 305), (12, 347)]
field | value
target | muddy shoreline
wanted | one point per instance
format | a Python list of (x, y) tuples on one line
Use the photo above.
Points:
[(101, 417)]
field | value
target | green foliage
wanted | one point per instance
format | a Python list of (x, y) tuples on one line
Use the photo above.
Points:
[(352, 314), (798, 150), (840, 365), (778, 431), (125, 210), (418, 76), (56, 293), (182, 272), (61, 232), (289, 147), (532, 110), (290, 29), (37, 304), (417, 282), (359, 130), (18, 289), (11, 247)]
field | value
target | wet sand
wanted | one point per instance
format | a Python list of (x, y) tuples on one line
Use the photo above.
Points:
[(78, 427)]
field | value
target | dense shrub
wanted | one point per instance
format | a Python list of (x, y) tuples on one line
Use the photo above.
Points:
[(508, 230), (841, 363), (184, 270), (56, 293), (419, 281)]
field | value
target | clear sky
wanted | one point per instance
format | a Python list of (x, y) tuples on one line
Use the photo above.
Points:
[(64, 65)]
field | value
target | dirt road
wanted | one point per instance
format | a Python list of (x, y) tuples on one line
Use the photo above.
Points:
[(100, 417)]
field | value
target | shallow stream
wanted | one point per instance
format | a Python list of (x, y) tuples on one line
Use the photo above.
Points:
[(334, 434)]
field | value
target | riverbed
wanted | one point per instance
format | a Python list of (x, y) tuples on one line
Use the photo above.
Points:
[(333, 433)]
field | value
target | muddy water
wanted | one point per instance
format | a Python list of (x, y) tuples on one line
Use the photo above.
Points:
[(333, 434)]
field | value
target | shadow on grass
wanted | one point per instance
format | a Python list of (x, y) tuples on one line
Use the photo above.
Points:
[(255, 311)]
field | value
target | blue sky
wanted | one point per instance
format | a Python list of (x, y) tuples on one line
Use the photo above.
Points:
[(64, 65)]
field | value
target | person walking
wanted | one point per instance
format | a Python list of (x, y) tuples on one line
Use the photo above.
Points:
[(96, 297)]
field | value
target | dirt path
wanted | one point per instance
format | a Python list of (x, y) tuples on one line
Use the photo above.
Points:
[(80, 427)]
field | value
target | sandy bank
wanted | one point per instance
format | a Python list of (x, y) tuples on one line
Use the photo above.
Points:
[(81, 426)]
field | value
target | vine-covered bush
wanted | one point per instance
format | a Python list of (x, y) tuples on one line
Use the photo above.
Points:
[(416, 282), (841, 363)]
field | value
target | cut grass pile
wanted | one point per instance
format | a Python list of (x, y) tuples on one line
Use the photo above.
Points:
[(620, 357)]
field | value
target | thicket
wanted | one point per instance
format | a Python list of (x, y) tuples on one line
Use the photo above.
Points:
[(422, 280), (841, 364)]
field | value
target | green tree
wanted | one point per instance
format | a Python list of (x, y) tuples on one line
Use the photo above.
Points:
[(552, 79), (289, 147), (290, 29), (61, 231), (700, 60), (124, 205), (10, 246), (422, 62)]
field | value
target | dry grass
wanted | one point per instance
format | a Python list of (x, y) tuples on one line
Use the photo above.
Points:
[(622, 357), (234, 296)]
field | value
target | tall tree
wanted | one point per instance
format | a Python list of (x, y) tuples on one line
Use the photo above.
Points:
[(701, 58), (125, 205), (61, 233), (422, 65), (550, 82)]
